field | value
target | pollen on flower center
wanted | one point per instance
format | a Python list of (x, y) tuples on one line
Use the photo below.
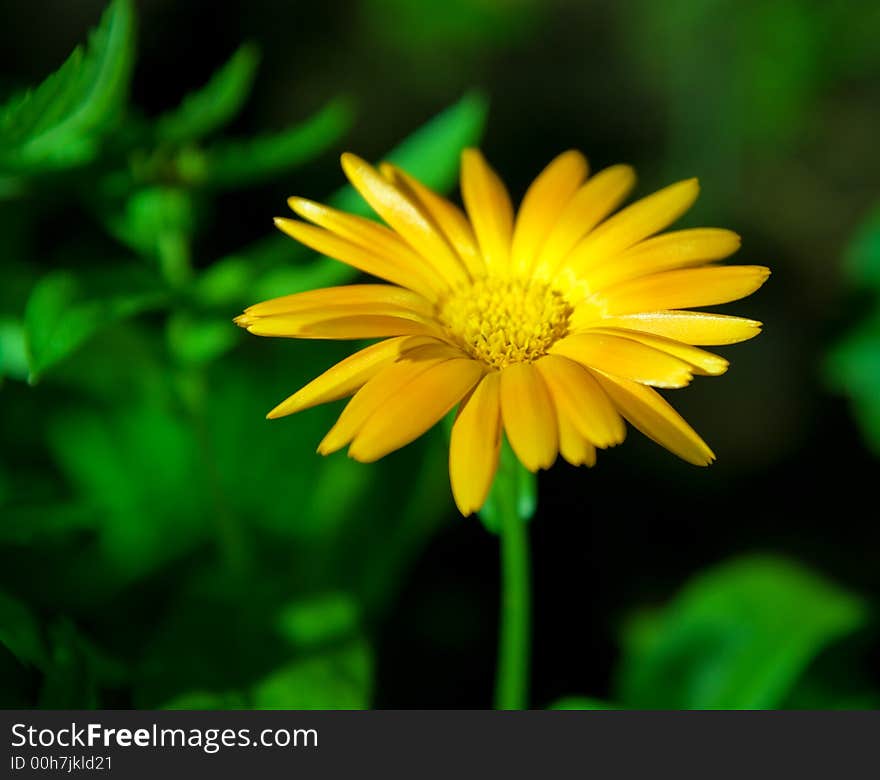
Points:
[(504, 321)]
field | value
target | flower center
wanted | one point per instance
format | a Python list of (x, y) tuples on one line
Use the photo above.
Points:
[(505, 321)]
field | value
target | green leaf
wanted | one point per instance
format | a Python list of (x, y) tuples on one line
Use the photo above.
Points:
[(338, 679), (20, 632), (155, 219), (319, 620), (736, 637), (852, 366), (512, 477), (13, 349), (62, 122), (277, 265), (62, 313), (158, 223), (140, 523), (580, 703), (242, 162), (215, 104), (862, 261), (197, 340)]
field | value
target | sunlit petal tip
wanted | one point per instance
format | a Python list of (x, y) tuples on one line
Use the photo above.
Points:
[(284, 409), (243, 320), (287, 225), (362, 456), (301, 206), (474, 445), (719, 367), (682, 380), (327, 448), (690, 188), (336, 438), (352, 164), (762, 274), (575, 155)]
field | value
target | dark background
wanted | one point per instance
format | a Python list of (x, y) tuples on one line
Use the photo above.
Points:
[(775, 106)]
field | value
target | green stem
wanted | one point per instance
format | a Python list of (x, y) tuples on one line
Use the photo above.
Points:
[(512, 683)]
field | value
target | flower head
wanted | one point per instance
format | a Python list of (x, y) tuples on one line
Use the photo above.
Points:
[(552, 324)]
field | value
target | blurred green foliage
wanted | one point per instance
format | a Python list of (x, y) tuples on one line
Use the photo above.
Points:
[(62, 122), (853, 367), (166, 486), (748, 634)]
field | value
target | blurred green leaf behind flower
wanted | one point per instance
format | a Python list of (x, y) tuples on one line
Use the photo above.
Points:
[(853, 366), (167, 487), (748, 634), (62, 122)]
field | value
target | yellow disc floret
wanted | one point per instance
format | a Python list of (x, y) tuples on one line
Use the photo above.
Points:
[(503, 321)]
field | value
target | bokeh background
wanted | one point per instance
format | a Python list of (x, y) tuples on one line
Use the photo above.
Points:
[(161, 544)]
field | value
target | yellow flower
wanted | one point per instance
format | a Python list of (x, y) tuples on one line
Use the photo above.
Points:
[(552, 325)]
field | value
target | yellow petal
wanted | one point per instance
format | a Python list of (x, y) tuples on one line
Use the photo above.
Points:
[(414, 408), (677, 249), (691, 327), (343, 296), (529, 416), (448, 217), (324, 325), (361, 321), (489, 209), (590, 205), (625, 358), (475, 445), (701, 362), (572, 445), (405, 217), (682, 289), (347, 376), (366, 233), (654, 417), (350, 311), (357, 256), (576, 394), (378, 389), (543, 202), (640, 220)]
